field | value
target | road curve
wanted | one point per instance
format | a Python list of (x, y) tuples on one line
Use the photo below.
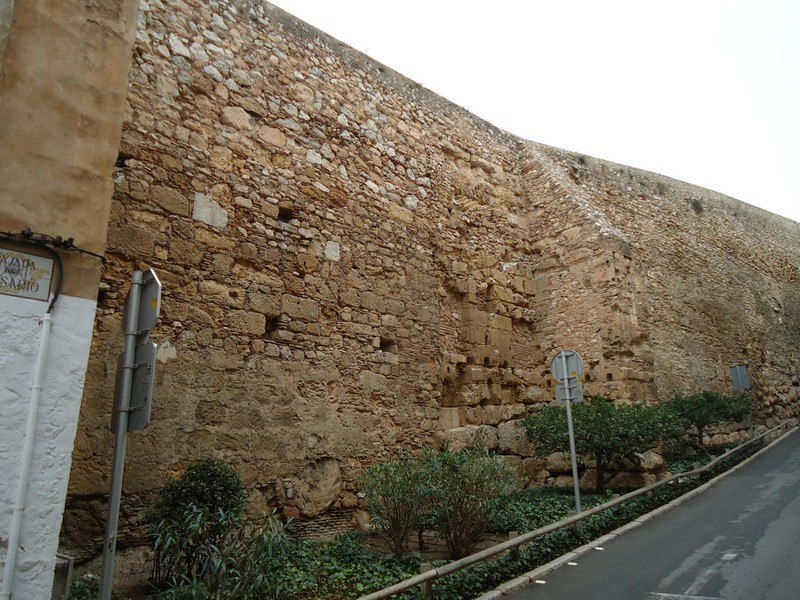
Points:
[(739, 540)]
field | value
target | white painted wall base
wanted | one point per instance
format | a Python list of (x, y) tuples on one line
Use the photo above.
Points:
[(62, 388)]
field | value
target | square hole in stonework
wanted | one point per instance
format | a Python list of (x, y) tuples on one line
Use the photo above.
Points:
[(285, 214), (272, 327), (388, 345)]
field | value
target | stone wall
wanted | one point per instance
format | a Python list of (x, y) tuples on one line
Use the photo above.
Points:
[(716, 281), (352, 264)]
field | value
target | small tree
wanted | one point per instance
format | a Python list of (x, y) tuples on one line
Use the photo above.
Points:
[(397, 497), (603, 430), (464, 488), (699, 411), (210, 489)]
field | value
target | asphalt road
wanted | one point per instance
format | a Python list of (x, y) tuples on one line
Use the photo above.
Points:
[(739, 540)]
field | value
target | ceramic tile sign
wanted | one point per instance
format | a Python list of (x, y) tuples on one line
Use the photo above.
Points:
[(25, 275)]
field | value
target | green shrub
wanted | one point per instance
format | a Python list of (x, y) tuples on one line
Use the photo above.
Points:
[(704, 409), (208, 483), (231, 557), (83, 588), (190, 514), (397, 497), (465, 487), (603, 430)]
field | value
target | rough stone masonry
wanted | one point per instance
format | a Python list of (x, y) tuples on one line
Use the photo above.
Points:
[(353, 265)]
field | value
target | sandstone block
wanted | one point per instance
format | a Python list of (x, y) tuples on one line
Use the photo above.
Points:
[(498, 338), (221, 158), (221, 293), (267, 304), (244, 321), (651, 461), (500, 322), (209, 238), (448, 418), (170, 200), (511, 439), (474, 317), (235, 116), (131, 240), (474, 334), (219, 360), (185, 252), (558, 463), (398, 213), (372, 381), (300, 308), (319, 487), (272, 136)]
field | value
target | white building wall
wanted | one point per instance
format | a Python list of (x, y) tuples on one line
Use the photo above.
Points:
[(62, 387)]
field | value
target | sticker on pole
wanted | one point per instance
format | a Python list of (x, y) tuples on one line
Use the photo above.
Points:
[(567, 363)]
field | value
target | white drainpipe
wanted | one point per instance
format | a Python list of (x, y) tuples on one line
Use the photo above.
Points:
[(27, 457)]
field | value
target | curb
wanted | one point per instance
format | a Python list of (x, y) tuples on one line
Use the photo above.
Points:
[(539, 572)]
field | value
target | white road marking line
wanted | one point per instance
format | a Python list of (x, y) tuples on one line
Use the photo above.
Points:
[(540, 581), (729, 556), (661, 596), (572, 564)]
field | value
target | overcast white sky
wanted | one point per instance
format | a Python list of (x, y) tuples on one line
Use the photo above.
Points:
[(707, 91)]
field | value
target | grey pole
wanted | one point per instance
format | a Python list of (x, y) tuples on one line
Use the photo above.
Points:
[(567, 388), (110, 542)]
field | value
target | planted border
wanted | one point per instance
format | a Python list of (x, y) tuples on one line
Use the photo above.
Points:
[(558, 539)]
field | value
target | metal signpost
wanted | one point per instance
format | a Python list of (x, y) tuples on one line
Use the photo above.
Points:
[(132, 398), (566, 367), (741, 381)]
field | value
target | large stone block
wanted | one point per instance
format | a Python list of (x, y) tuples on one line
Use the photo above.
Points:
[(208, 211), (236, 117), (469, 436), (318, 487), (131, 239), (558, 463), (300, 308), (223, 294), (511, 439), (170, 199), (185, 252), (244, 321)]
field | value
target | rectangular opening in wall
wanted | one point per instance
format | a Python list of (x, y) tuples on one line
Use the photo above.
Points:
[(388, 345), (272, 326), (285, 214)]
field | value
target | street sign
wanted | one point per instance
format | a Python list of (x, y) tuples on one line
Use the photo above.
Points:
[(566, 367), (575, 392), (149, 306), (740, 378), (574, 365), (132, 399), (141, 397)]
